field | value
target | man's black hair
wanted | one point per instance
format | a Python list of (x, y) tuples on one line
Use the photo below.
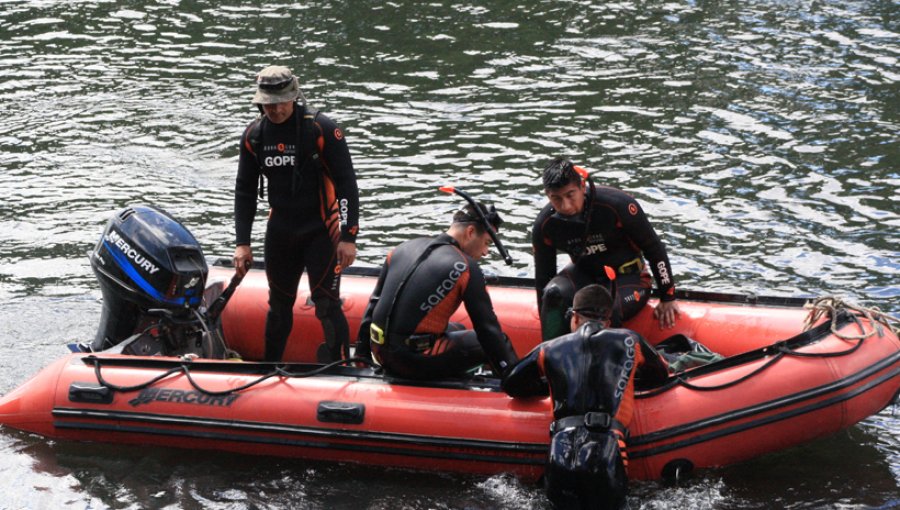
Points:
[(468, 214), (559, 172), (594, 302)]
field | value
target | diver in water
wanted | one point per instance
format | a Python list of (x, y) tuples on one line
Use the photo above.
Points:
[(593, 401)]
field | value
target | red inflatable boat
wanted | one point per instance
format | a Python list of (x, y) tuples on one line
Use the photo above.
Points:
[(777, 387)]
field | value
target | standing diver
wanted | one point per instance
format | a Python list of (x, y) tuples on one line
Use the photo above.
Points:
[(314, 214)]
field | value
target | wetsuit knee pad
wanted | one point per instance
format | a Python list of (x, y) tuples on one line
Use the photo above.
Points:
[(554, 301), (632, 294), (552, 296)]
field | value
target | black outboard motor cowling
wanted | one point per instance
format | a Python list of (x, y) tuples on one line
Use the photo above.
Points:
[(150, 268)]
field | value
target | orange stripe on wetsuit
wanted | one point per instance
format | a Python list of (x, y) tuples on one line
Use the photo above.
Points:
[(625, 413), (328, 203), (436, 320)]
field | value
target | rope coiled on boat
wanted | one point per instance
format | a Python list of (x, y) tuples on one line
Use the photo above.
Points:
[(829, 306)]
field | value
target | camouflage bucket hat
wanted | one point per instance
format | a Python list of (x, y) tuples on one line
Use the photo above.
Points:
[(276, 84)]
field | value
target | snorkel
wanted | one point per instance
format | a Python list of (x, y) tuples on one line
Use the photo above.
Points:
[(483, 219), (585, 177), (589, 202)]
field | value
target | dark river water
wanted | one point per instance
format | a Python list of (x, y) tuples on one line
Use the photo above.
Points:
[(760, 136)]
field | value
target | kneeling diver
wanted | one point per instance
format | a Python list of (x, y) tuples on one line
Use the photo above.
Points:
[(406, 327)]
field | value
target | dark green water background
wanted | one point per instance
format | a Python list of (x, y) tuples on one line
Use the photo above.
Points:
[(760, 136)]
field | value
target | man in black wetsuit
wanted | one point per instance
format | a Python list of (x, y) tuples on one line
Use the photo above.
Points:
[(606, 235), (406, 326), (591, 376), (314, 209)]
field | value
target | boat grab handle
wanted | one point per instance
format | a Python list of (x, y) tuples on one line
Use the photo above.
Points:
[(330, 411), (90, 393)]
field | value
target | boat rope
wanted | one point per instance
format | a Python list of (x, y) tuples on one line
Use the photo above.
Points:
[(831, 308), (185, 368), (680, 379), (136, 387)]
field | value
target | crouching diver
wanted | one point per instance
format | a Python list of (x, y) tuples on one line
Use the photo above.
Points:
[(590, 375), (423, 281)]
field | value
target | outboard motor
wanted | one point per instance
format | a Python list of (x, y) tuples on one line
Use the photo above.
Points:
[(152, 275)]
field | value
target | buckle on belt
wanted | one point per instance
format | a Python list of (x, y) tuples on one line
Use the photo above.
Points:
[(635, 265), (376, 334), (593, 421), (597, 420)]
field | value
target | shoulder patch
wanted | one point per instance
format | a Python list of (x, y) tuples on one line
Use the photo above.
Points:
[(338, 134), (633, 209)]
